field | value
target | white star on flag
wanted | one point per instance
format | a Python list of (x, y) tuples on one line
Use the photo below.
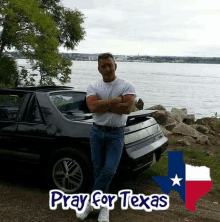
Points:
[(176, 180)]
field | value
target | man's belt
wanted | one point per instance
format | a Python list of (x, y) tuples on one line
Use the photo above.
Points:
[(108, 128)]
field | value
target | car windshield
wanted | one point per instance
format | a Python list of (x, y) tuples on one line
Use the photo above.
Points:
[(69, 101)]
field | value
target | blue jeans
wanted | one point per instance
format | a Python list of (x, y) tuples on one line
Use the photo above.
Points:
[(106, 151)]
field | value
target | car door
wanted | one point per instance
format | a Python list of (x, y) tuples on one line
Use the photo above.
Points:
[(10, 105), (31, 135)]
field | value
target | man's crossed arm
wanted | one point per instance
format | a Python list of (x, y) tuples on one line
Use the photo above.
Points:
[(125, 106), (119, 104)]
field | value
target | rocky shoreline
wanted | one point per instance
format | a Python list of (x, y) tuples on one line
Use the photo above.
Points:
[(204, 131)]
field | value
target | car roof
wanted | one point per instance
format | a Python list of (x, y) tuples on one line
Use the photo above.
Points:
[(39, 88)]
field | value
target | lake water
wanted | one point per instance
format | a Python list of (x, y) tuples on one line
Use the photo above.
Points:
[(192, 86)]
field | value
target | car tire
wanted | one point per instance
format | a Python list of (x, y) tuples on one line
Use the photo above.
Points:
[(70, 171)]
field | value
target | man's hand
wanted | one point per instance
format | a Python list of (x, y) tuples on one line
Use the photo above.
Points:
[(125, 106), (119, 99), (98, 105)]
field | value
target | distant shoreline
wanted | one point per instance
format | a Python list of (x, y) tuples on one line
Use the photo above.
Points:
[(139, 61), (137, 58)]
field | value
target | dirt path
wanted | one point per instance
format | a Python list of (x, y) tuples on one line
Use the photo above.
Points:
[(22, 200)]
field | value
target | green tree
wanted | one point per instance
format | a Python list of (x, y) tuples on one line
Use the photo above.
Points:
[(36, 29)]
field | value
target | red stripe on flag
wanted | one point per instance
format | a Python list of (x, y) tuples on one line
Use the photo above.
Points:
[(195, 190)]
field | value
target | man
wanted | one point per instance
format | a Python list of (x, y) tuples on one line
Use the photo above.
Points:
[(110, 100)]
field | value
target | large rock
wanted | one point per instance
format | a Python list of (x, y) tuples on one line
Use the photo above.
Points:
[(184, 110), (178, 111), (189, 138), (212, 122), (139, 104), (184, 142), (189, 119), (176, 117), (165, 131), (163, 117), (186, 130), (203, 129), (170, 126), (203, 140), (156, 107), (200, 128), (213, 140)]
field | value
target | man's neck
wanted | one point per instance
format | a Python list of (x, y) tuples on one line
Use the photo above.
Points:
[(110, 81)]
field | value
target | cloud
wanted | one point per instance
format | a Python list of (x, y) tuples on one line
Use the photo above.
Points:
[(125, 23)]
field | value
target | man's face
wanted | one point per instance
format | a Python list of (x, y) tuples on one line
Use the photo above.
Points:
[(107, 68)]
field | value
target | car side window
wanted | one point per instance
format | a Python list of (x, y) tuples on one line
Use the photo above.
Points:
[(65, 101), (10, 104), (33, 112)]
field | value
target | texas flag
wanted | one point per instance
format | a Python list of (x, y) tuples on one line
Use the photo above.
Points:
[(191, 182)]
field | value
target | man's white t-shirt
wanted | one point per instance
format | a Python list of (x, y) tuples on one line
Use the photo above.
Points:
[(118, 87)]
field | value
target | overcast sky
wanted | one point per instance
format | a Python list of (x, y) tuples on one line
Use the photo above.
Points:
[(149, 27)]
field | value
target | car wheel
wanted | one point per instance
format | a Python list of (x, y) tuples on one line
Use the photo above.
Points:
[(70, 171)]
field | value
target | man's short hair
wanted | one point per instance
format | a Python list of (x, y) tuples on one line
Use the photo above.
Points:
[(105, 56)]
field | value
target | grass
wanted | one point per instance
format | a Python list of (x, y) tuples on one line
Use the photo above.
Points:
[(216, 123), (195, 158), (174, 141)]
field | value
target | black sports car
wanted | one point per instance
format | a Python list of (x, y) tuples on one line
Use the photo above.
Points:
[(50, 126)]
